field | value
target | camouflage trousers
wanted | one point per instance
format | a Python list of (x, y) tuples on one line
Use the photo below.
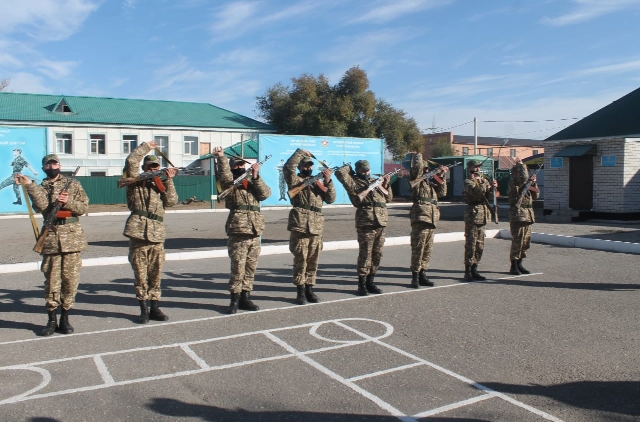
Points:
[(243, 252), (521, 233), (473, 243), (371, 242), (62, 275), (421, 245), (306, 254), (147, 259), (10, 181)]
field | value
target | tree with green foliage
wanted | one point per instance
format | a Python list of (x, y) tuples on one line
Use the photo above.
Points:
[(442, 148), (311, 106)]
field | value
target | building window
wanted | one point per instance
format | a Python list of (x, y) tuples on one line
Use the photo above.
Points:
[(63, 143), (535, 152), (465, 150), (163, 145), (489, 152), (97, 144), (129, 143), (191, 145), (513, 153), (98, 173), (479, 151)]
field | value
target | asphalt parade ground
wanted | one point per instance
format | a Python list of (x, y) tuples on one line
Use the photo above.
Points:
[(559, 344)]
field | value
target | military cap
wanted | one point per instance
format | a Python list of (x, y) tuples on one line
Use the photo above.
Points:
[(151, 159), (473, 163), (18, 149), (305, 161), (362, 165), (50, 157), (234, 161)]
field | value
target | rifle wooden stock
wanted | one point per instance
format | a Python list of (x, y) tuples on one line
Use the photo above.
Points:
[(40, 242), (294, 191)]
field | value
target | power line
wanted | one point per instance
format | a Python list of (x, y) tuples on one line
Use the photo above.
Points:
[(461, 124), (529, 121)]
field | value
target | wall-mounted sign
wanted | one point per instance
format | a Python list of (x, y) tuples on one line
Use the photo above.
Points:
[(608, 161), (556, 162)]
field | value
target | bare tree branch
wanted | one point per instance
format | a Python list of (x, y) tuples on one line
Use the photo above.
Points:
[(4, 83)]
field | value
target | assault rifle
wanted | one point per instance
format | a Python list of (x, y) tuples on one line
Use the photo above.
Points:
[(47, 224), (527, 187), (311, 181), (433, 174), (378, 184), (237, 182), (160, 175)]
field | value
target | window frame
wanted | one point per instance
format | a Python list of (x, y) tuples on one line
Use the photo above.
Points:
[(103, 139), (193, 145), (513, 153), (59, 138), (465, 150), (127, 143), (163, 162)]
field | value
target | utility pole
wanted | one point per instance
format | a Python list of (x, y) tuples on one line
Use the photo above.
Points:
[(475, 136)]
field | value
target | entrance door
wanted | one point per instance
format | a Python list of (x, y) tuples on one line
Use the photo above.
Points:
[(581, 183)]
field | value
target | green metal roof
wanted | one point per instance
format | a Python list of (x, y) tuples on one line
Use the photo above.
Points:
[(40, 108), (250, 150)]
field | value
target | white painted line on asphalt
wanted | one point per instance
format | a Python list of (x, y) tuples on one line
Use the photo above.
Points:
[(454, 406), (281, 308), (386, 371), (193, 355), (104, 372)]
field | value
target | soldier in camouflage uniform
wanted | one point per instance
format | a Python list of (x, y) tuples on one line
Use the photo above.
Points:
[(306, 222), (18, 164), (371, 221), (244, 227), (477, 192), (424, 215), (521, 218), (61, 261), (145, 228)]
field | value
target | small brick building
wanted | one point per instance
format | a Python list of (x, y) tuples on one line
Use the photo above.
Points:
[(593, 166)]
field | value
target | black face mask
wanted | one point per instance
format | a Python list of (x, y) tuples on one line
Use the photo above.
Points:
[(305, 173), (362, 175), (237, 172), (52, 173)]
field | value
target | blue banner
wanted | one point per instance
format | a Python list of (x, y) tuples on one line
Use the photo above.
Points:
[(21, 151), (332, 150)]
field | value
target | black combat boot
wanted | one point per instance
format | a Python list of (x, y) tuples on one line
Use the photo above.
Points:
[(233, 306), (245, 302), (371, 286), (424, 280), (155, 313), (18, 202), (415, 283), (362, 290), (52, 325), (522, 269), (301, 299), (514, 267), (475, 274), (65, 327), (308, 292), (467, 273), (144, 312)]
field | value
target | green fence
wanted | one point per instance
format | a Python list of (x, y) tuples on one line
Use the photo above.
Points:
[(104, 190)]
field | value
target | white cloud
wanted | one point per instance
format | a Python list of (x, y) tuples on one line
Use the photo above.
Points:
[(56, 69), (10, 61), (587, 10), (28, 82), (608, 69), (388, 10), (244, 57), (46, 20)]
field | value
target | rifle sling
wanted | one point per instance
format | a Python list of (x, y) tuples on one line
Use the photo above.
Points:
[(308, 207), (149, 215), (372, 204), (245, 208)]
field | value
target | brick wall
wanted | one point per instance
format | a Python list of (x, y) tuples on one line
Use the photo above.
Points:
[(631, 177)]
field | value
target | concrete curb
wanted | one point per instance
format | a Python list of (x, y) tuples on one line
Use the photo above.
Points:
[(550, 239)]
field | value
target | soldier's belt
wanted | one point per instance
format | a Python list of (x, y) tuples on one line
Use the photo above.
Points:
[(372, 204), (245, 207), (63, 221), (428, 200), (149, 215), (308, 207), (473, 204), (525, 206)]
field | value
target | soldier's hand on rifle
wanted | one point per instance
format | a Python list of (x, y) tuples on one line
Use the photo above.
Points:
[(534, 178), (327, 175), (254, 168), (153, 144), (172, 171), (444, 169), (218, 151), (385, 181), (63, 197), (20, 179)]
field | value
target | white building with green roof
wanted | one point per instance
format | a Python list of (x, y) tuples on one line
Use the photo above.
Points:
[(98, 133)]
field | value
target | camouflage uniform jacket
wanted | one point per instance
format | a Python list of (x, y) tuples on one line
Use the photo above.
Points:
[(145, 196), (524, 214), (372, 212), (244, 204), (18, 164), (66, 237), (424, 209), (305, 216), (474, 193)]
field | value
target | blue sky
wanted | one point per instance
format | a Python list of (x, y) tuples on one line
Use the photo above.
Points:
[(503, 60)]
